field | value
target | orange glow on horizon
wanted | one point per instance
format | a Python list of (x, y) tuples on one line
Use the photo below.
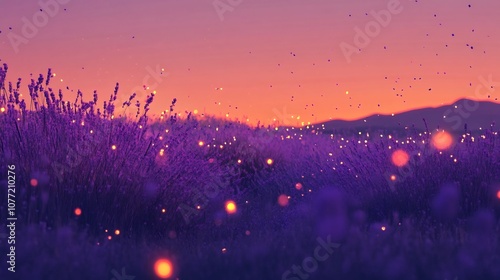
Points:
[(258, 83)]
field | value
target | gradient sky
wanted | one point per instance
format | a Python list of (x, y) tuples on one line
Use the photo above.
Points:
[(273, 59)]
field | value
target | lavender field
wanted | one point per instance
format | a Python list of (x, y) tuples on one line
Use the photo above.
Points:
[(103, 196)]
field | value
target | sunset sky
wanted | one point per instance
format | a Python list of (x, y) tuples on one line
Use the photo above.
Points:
[(261, 60)]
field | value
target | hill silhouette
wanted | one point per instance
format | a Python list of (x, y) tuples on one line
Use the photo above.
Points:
[(476, 116)]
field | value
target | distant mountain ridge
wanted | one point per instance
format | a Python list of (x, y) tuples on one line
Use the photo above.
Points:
[(452, 118)]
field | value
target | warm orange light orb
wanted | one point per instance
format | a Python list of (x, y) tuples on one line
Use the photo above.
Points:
[(163, 268), (269, 161), (442, 140), (78, 211), (117, 232), (34, 182), (231, 207), (201, 143), (393, 177), (283, 200), (400, 158), (113, 147), (498, 194), (2, 109)]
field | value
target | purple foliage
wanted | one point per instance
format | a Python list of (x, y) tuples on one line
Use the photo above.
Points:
[(142, 176)]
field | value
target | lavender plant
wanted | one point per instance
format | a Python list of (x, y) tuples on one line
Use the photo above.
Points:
[(129, 175)]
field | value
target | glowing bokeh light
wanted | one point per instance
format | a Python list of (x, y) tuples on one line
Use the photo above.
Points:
[(442, 140), (2, 109), (34, 182), (298, 186), (78, 211), (231, 207), (400, 158), (269, 161), (498, 194), (163, 268), (283, 200), (113, 147), (393, 177), (117, 232)]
